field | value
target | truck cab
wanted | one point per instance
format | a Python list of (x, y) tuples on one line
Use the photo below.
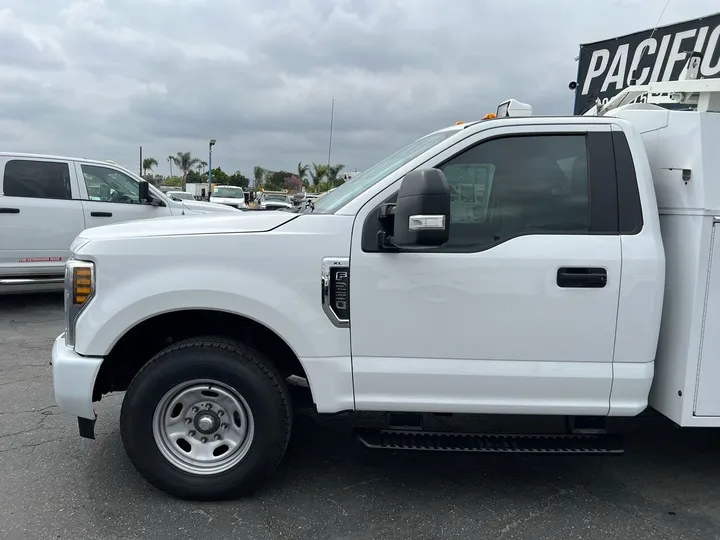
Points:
[(513, 265)]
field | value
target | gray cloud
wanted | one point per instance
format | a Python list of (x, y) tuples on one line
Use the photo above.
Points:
[(98, 78)]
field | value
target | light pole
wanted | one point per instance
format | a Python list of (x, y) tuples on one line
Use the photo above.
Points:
[(212, 143)]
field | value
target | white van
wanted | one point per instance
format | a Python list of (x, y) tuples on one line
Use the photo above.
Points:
[(46, 201), (232, 196)]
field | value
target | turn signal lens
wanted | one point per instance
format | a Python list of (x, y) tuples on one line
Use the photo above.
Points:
[(82, 285)]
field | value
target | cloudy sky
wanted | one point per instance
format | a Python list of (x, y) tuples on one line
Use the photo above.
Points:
[(99, 78)]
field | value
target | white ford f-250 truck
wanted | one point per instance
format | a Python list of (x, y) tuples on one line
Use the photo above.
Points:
[(521, 265)]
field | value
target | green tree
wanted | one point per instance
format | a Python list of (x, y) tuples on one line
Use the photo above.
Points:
[(148, 164), (238, 179), (154, 179), (219, 176), (322, 187), (173, 181), (259, 175), (302, 170), (317, 173), (275, 180), (333, 172), (185, 162), (194, 177)]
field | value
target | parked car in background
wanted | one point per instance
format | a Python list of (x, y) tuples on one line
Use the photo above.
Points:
[(180, 195), (233, 196), (46, 201), (275, 202)]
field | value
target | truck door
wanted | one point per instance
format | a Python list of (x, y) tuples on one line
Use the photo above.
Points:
[(40, 216), (517, 312), (111, 196)]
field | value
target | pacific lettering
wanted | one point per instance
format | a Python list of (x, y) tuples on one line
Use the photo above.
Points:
[(675, 55), (657, 56), (707, 70), (616, 73), (650, 45), (700, 41), (660, 58), (598, 63)]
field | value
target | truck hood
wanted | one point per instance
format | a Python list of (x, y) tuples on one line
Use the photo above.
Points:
[(236, 222)]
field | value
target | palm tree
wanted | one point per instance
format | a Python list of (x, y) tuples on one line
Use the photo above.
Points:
[(201, 166), (317, 173), (148, 164), (259, 175), (332, 173), (185, 162), (302, 170), (170, 161)]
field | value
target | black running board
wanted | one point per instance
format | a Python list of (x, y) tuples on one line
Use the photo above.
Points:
[(480, 442)]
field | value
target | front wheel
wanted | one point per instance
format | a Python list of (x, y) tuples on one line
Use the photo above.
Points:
[(206, 419)]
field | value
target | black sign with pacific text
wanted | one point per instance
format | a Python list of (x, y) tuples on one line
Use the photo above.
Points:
[(607, 67)]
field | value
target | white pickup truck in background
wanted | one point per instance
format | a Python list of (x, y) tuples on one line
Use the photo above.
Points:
[(46, 201), (561, 266)]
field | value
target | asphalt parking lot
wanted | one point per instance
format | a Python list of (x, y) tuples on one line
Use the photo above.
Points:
[(55, 485)]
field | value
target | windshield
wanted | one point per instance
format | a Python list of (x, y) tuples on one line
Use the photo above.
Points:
[(278, 198), (229, 193), (343, 194)]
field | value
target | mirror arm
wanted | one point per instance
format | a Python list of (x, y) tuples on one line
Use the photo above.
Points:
[(386, 212), (385, 242), (386, 217)]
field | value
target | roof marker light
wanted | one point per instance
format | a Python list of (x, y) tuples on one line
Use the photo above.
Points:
[(513, 107)]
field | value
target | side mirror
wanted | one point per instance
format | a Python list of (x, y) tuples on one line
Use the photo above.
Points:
[(422, 210), (144, 192)]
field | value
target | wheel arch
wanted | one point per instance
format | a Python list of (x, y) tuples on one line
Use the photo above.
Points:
[(148, 337)]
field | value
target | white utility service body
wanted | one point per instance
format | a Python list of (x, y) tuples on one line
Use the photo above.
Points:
[(507, 266), (682, 148)]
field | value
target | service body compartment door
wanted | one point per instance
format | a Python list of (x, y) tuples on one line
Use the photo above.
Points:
[(707, 397)]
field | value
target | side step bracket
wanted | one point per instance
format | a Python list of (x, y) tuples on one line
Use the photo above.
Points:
[(588, 444)]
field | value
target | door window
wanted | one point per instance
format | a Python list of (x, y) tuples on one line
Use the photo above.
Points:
[(510, 186), (37, 179), (108, 185)]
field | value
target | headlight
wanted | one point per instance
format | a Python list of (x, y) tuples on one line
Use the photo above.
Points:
[(79, 289)]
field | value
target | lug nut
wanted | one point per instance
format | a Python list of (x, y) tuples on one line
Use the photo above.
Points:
[(203, 440), (217, 437), (224, 426), (188, 420), (221, 413), (191, 433), (195, 409), (208, 406)]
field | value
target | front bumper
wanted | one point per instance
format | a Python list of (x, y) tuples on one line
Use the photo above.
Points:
[(74, 379)]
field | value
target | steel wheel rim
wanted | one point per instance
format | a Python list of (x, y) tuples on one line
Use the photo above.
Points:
[(203, 427)]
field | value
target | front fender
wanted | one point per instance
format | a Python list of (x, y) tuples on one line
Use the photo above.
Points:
[(289, 305)]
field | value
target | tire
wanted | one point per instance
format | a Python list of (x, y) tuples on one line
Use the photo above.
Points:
[(244, 384)]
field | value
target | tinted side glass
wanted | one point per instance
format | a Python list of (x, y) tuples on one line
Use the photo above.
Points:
[(37, 179), (630, 208), (108, 185), (517, 185)]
